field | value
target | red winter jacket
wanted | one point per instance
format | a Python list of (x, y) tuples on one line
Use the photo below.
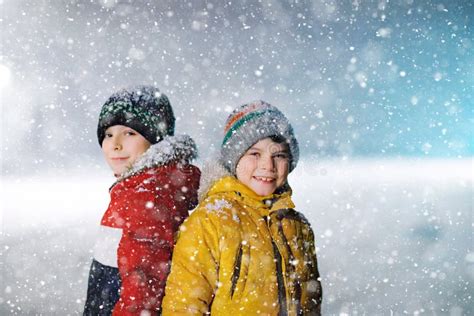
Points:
[(146, 208)]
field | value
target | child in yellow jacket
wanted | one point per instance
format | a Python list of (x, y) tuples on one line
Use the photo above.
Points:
[(245, 250)]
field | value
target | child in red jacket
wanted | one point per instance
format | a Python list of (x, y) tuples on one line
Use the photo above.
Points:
[(155, 188)]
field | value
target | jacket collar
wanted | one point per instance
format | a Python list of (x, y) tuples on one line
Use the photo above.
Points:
[(216, 179), (179, 148)]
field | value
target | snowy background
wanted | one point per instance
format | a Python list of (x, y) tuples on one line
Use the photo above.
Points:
[(393, 236), (380, 94)]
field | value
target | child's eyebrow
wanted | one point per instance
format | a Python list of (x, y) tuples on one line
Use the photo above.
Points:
[(255, 148), (281, 152)]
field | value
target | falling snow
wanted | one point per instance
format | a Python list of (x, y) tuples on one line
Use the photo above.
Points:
[(379, 93), (219, 206)]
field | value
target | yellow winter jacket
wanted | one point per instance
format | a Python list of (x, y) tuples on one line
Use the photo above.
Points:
[(243, 254)]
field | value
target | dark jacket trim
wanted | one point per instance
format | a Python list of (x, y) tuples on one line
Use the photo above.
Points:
[(103, 290), (291, 268), (281, 282), (236, 273), (279, 274), (291, 214)]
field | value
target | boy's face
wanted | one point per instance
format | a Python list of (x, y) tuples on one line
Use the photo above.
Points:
[(122, 146), (264, 167)]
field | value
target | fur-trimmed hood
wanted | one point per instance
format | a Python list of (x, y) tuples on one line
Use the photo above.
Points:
[(212, 171), (178, 148)]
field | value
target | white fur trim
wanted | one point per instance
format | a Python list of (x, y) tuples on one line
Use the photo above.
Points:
[(212, 171), (170, 149), (105, 249)]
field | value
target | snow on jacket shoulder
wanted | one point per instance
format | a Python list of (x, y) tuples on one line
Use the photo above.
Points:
[(242, 254), (147, 205)]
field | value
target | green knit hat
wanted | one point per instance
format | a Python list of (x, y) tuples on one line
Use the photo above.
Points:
[(143, 108), (250, 123)]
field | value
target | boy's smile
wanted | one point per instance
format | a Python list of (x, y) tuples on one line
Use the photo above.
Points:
[(264, 167), (122, 146), (265, 179)]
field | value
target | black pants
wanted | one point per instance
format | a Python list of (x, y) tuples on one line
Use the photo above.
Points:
[(103, 290)]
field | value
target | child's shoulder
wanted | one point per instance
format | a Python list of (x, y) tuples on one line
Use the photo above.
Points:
[(168, 173), (170, 155), (217, 204), (291, 214), (216, 207), (149, 180)]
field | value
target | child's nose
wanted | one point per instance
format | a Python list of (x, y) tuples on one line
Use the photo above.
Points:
[(266, 163), (117, 144)]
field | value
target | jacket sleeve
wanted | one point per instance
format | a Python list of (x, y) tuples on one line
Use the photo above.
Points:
[(186, 184), (144, 252), (312, 293), (193, 279)]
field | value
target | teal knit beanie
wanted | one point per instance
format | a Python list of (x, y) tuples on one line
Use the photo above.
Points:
[(143, 108)]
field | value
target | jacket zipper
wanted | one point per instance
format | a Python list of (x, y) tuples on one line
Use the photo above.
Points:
[(236, 273)]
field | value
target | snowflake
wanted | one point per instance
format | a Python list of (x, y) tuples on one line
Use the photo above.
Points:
[(218, 206)]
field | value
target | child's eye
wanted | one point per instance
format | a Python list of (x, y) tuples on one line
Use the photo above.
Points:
[(254, 154), (108, 135), (281, 155), (130, 133)]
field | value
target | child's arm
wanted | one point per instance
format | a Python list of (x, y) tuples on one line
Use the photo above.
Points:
[(193, 279), (145, 249), (312, 291), (185, 193)]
